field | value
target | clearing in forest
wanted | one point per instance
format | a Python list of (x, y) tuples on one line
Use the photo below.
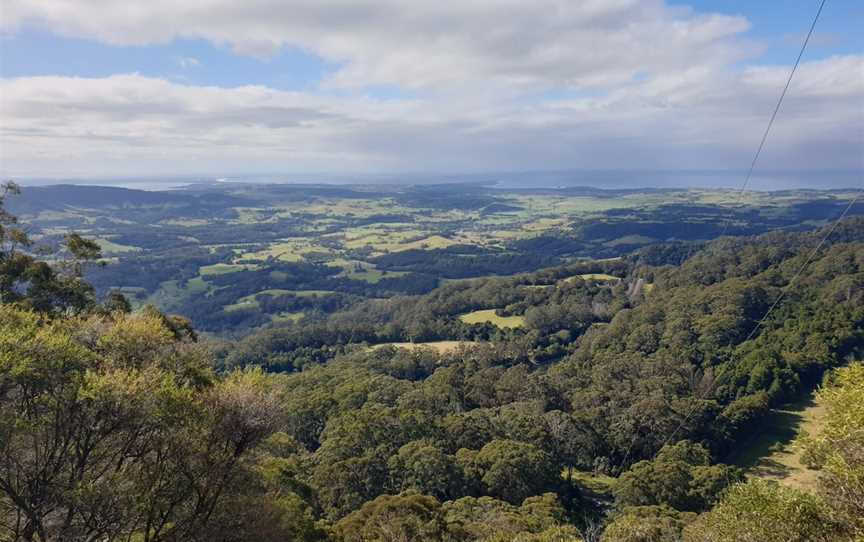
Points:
[(489, 315), (772, 454), (442, 347)]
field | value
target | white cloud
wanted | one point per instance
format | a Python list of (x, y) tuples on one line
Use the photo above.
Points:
[(645, 85), (698, 118), (422, 43)]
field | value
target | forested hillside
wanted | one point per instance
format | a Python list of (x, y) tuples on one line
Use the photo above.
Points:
[(592, 401)]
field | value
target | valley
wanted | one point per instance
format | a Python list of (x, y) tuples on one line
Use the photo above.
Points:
[(449, 360), (235, 257), (480, 271)]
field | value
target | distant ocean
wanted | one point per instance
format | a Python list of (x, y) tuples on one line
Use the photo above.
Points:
[(137, 184), (685, 179), (609, 179)]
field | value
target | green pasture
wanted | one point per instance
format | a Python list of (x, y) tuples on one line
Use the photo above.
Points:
[(488, 315)]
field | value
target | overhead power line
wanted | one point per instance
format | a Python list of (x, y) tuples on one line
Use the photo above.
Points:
[(804, 266), (741, 192), (780, 297), (771, 121)]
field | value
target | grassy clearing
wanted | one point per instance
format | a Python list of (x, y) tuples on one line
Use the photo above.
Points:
[(278, 253), (372, 276), (248, 304), (727, 197), (602, 277), (357, 236), (294, 249), (367, 272), (252, 302), (772, 455), (186, 222), (574, 205), (488, 315), (171, 292), (276, 292), (110, 247), (428, 243), (442, 347), (545, 224), (598, 276), (253, 215), (223, 268), (393, 238), (630, 240), (197, 285), (358, 208), (55, 216), (287, 317)]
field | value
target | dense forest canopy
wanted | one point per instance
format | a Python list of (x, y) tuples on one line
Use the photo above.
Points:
[(592, 400)]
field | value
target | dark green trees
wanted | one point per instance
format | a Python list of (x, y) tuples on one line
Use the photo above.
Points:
[(38, 284), (680, 477), (422, 467), (509, 470)]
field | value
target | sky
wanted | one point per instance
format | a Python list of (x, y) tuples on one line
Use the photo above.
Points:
[(90, 88)]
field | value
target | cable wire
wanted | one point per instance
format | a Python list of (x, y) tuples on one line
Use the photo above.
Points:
[(728, 220), (741, 192), (776, 301), (771, 121)]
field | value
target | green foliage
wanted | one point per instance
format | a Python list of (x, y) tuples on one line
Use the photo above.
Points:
[(116, 301), (509, 470), (408, 517), (422, 467), (112, 427), (411, 516), (484, 423), (679, 477), (838, 449), (552, 534), (486, 518), (765, 511), (647, 524)]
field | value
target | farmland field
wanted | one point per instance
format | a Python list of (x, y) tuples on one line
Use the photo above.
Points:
[(235, 256), (490, 316)]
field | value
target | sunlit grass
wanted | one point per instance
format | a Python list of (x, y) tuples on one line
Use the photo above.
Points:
[(772, 453), (442, 347), (223, 268), (488, 315)]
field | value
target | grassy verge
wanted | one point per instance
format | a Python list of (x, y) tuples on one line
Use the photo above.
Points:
[(771, 454)]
